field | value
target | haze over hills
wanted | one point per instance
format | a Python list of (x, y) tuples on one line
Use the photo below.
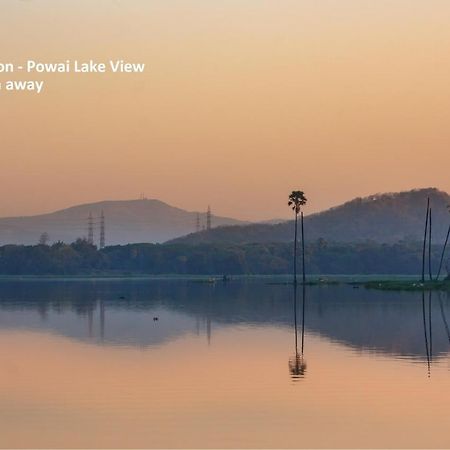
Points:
[(384, 218), (128, 221)]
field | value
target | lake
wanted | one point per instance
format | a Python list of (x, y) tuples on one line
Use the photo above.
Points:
[(148, 363)]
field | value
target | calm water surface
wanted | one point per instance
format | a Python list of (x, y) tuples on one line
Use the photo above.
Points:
[(85, 364)]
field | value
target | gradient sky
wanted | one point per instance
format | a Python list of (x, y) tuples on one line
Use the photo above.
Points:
[(242, 101)]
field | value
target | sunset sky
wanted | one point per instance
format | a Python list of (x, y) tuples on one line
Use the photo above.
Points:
[(242, 101)]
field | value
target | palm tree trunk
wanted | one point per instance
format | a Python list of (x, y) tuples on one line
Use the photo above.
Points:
[(295, 320), (295, 249), (303, 316), (443, 253), (425, 241), (429, 250), (303, 251)]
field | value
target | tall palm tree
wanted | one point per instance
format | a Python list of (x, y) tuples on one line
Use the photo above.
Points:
[(296, 200)]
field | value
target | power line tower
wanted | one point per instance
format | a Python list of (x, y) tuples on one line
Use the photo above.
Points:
[(197, 223), (102, 231), (208, 218), (90, 229)]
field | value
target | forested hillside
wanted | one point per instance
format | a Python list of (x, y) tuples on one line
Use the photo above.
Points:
[(384, 218)]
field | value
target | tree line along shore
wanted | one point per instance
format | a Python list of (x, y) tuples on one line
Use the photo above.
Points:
[(321, 257)]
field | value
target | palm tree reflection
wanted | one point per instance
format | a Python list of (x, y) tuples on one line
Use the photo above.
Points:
[(102, 320), (297, 363)]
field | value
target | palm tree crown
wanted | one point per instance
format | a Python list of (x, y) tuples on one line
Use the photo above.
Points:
[(296, 200)]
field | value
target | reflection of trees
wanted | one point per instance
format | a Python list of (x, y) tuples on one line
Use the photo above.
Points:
[(297, 366), (297, 363), (370, 321)]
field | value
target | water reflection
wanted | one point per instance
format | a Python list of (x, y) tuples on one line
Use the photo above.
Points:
[(297, 363), (427, 329), (84, 365), (444, 317), (427, 322), (121, 313)]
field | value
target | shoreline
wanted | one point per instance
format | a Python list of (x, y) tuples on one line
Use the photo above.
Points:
[(376, 281)]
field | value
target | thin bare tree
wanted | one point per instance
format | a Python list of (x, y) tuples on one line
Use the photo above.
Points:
[(443, 250), (425, 240)]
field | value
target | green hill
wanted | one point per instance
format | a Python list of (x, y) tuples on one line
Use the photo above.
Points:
[(383, 218)]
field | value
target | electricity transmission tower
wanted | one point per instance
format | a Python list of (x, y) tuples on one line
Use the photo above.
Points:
[(102, 230), (90, 237), (208, 218)]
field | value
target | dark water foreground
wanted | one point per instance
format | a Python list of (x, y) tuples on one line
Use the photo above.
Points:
[(184, 364)]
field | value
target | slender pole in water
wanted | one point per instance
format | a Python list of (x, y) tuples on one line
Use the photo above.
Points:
[(429, 250), (425, 331), (303, 250), (425, 241), (443, 253)]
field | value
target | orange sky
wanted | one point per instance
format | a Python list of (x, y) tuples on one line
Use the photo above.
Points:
[(242, 101)]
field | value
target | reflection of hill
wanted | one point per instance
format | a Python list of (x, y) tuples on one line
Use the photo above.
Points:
[(367, 320)]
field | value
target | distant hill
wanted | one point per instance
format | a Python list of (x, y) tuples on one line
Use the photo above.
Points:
[(384, 218), (129, 221)]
